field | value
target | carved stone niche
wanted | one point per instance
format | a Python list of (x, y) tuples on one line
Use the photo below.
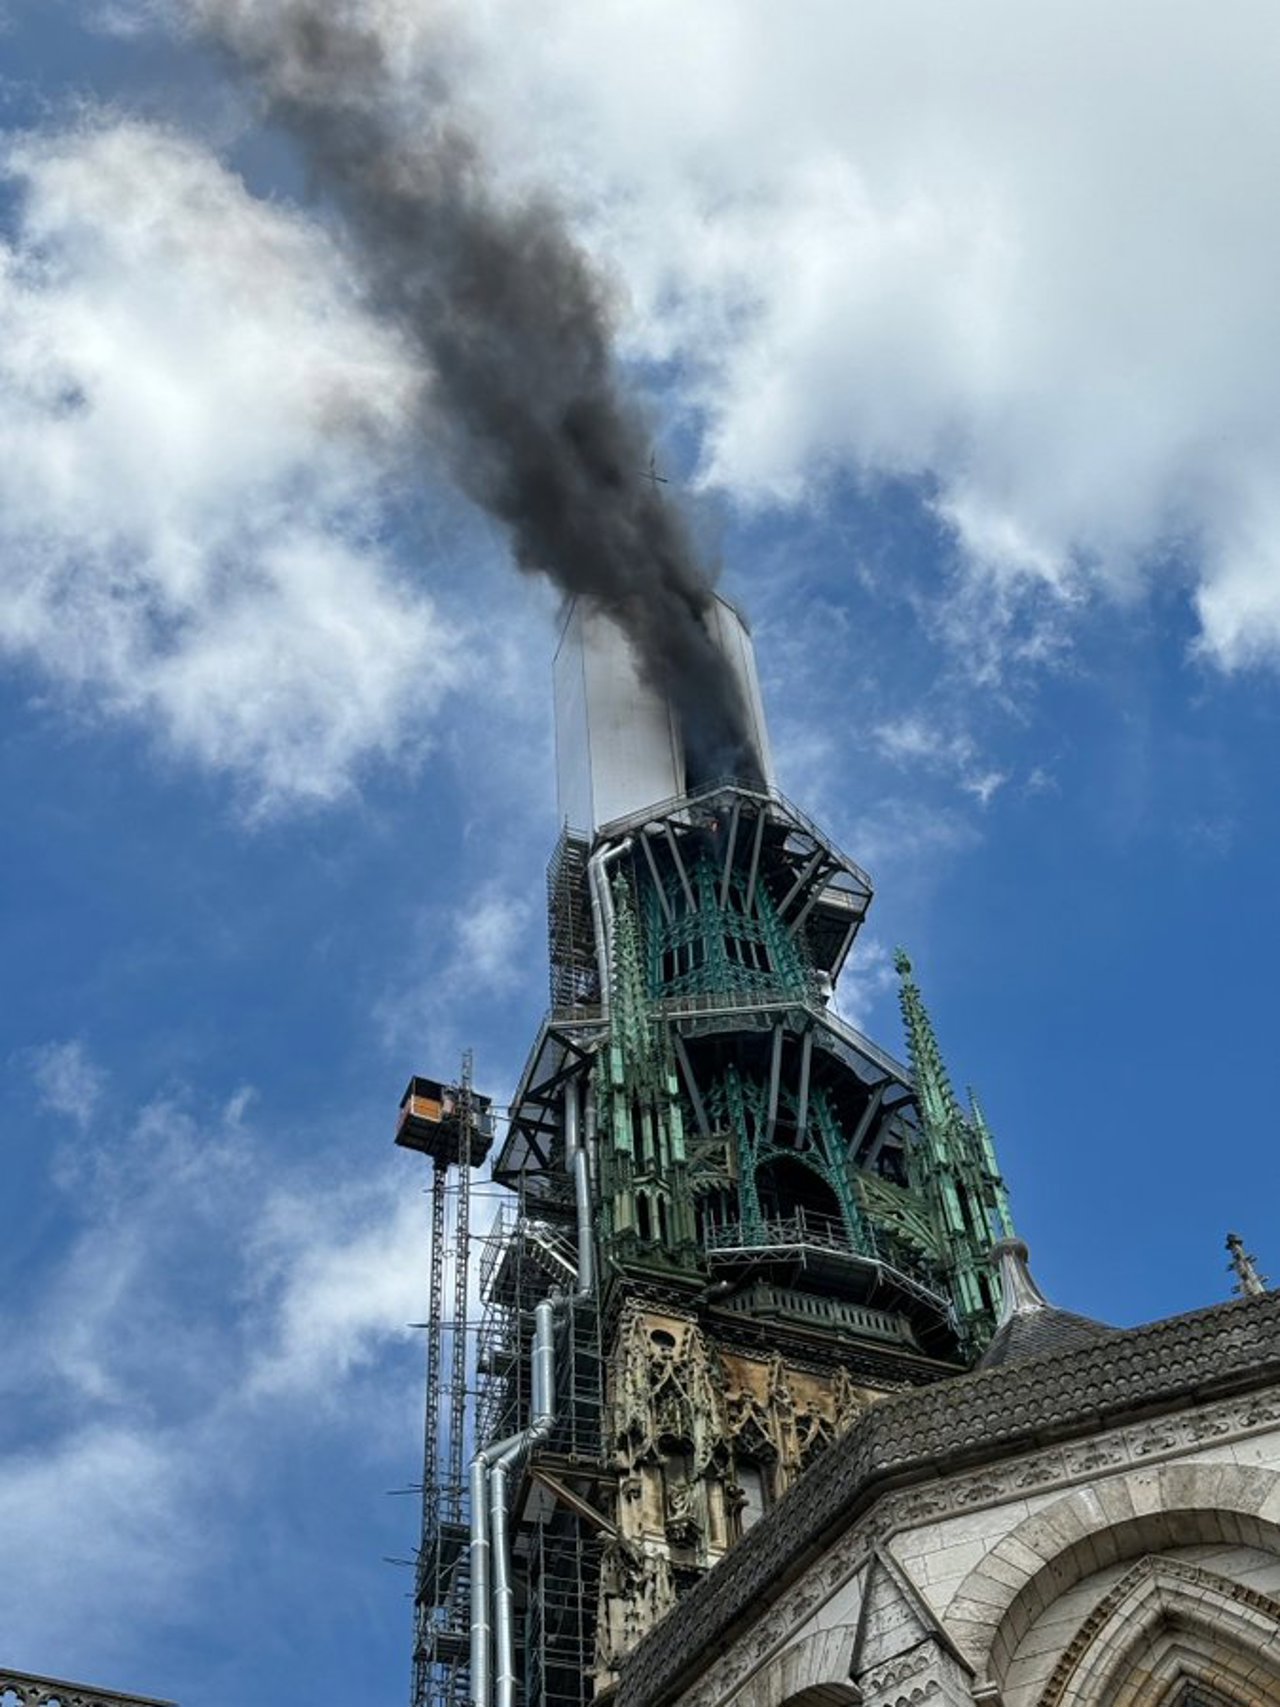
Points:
[(664, 1391), (926, 1674), (636, 1590)]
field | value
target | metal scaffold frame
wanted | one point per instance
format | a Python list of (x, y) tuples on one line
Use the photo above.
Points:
[(527, 1256), (575, 981), (480, 1389)]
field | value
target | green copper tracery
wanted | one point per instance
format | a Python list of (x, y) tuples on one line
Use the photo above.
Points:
[(767, 1152), (954, 1169), (643, 1166), (740, 1106), (706, 948)]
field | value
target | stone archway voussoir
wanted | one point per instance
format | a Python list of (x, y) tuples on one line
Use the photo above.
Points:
[(1092, 1527), (818, 1662)]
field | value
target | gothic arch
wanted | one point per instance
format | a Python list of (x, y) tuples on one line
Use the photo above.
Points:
[(1144, 1510), (803, 1179), (1164, 1623), (813, 1672)]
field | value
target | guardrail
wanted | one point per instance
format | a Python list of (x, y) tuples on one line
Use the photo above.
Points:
[(748, 1001), (819, 1231), (677, 803), (808, 1232)]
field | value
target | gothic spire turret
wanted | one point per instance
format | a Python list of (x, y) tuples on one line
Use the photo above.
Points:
[(960, 1175), (986, 1143), (938, 1103), (632, 1038)]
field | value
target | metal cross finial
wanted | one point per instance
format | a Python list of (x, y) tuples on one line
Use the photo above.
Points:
[(651, 473), (1249, 1283)]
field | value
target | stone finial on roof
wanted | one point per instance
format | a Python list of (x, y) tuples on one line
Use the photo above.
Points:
[(1244, 1265), (1019, 1294), (1029, 1324)]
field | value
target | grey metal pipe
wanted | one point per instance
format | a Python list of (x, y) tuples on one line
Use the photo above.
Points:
[(544, 1370), (576, 1156), (586, 1238), (602, 911), (572, 1130), (481, 1629), (504, 1646), (504, 1458), (589, 1136), (481, 1560)]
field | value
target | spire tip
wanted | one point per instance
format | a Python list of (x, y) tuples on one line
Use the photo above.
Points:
[(1244, 1265)]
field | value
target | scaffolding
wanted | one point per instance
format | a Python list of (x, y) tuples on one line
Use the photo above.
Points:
[(564, 1576), (575, 977), (526, 1255)]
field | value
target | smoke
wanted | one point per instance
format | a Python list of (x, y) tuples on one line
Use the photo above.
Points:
[(514, 325)]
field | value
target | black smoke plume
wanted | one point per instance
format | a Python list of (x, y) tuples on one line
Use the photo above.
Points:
[(515, 328)]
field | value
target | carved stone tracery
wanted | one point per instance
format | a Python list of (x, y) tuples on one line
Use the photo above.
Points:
[(27, 1690), (688, 1420), (1237, 1629)]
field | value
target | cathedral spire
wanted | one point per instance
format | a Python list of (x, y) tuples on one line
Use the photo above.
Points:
[(631, 1019), (1003, 1225), (938, 1103), (1244, 1265), (957, 1170)]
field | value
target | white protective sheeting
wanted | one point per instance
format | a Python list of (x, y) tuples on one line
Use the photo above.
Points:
[(618, 743)]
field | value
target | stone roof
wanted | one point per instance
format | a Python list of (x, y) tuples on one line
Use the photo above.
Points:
[(957, 1423), (1039, 1333)]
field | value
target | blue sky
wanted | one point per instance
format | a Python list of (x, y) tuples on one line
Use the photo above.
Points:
[(962, 345)]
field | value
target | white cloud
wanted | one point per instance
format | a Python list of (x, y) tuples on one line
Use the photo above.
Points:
[(207, 1288), (67, 1080), (1013, 252), (902, 839), (472, 955), (915, 740), (196, 420), (1238, 608), (491, 936), (1020, 252), (336, 1276), (983, 785), (864, 983), (94, 1528)]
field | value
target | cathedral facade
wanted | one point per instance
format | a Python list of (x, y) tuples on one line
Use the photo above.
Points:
[(1091, 1521)]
